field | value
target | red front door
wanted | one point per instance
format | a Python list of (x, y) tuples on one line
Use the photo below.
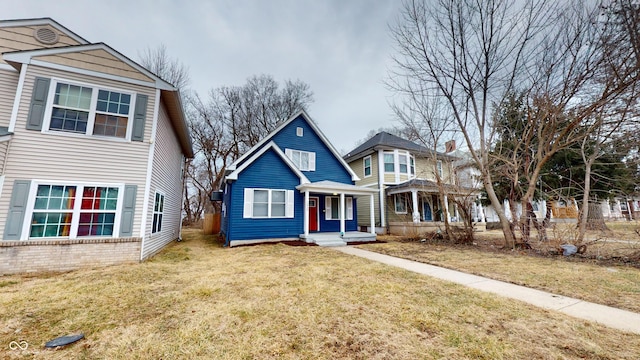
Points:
[(313, 214)]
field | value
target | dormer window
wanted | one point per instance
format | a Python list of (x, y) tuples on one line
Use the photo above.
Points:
[(82, 109)]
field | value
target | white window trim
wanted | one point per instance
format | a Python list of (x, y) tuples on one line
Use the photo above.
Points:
[(364, 166), (384, 163), (395, 203), (311, 156), (348, 205), (299, 132), (439, 168), (26, 226), (289, 204), (407, 164), (154, 212), (92, 111)]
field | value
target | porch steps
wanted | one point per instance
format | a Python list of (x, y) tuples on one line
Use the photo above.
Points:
[(334, 238), (329, 242)]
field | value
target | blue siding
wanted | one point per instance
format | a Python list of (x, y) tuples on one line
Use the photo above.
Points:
[(267, 172), (328, 167)]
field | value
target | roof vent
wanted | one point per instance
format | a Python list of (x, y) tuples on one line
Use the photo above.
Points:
[(45, 35)]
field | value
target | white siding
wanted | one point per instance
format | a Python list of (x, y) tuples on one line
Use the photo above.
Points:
[(166, 178), (34, 155), (8, 85)]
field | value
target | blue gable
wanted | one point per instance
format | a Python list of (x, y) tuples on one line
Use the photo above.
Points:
[(328, 167), (268, 171)]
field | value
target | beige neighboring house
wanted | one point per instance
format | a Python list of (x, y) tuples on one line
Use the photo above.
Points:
[(403, 172), (92, 147)]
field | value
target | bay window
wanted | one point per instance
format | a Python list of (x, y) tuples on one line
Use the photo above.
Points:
[(389, 165)]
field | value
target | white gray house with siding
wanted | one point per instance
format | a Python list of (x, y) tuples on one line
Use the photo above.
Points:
[(92, 148)]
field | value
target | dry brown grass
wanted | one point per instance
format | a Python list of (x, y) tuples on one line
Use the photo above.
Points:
[(198, 300), (601, 281)]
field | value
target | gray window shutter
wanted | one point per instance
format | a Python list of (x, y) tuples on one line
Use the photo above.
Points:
[(38, 103), (128, 210), (139, 116), (17, 210)]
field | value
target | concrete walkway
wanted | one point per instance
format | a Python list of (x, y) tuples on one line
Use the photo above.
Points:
[(605, 315)]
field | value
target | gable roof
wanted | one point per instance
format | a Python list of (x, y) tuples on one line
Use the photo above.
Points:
[(315, 128), (385, 140), (43, 21), (168, 93), (271, 145)]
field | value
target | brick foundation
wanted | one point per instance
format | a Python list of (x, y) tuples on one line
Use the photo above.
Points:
[(63, 255)]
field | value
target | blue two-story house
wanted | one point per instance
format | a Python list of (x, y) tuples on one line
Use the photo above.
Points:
[(292, 185)]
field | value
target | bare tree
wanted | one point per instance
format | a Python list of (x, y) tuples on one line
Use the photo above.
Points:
[(232, 119), (475, 53), (158, 61)]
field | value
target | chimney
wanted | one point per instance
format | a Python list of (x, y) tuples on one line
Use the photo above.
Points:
[(450, 146)]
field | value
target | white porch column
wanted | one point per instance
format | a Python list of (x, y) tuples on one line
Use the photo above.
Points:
[(446, 208), (481, 215), (372, 214), (306, 213), (381, 194), (456, 212), (414, 202), (342, 214)]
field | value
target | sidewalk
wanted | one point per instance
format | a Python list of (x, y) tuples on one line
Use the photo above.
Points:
[(605, 315)]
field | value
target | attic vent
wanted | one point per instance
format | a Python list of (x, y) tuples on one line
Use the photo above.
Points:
[(45, 35)]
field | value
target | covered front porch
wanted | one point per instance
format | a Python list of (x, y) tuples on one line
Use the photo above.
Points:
[(328, 202), (418, 204)]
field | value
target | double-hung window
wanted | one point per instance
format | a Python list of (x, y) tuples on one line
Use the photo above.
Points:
[(332, 208), (412, 163), (367, 166), (268, 203), (304, 160), (158, 211), (90, 110), (439, 168), (400, 201), (389, 165), (404, 167), (73, 210)]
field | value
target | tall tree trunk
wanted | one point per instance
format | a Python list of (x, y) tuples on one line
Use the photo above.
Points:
[(509, 237)]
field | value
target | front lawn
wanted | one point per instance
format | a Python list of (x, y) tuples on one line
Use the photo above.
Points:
[(199, 300)]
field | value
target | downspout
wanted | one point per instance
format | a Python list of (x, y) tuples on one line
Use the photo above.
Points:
[(184, 193)]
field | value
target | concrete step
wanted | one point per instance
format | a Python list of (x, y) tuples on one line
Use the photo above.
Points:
[(335, 242)]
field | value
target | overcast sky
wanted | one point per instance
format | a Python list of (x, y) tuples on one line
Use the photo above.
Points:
[(340, 48)]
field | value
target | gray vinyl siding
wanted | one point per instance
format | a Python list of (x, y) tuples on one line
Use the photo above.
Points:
[(166, 178), (8, 85), (41, 156)]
